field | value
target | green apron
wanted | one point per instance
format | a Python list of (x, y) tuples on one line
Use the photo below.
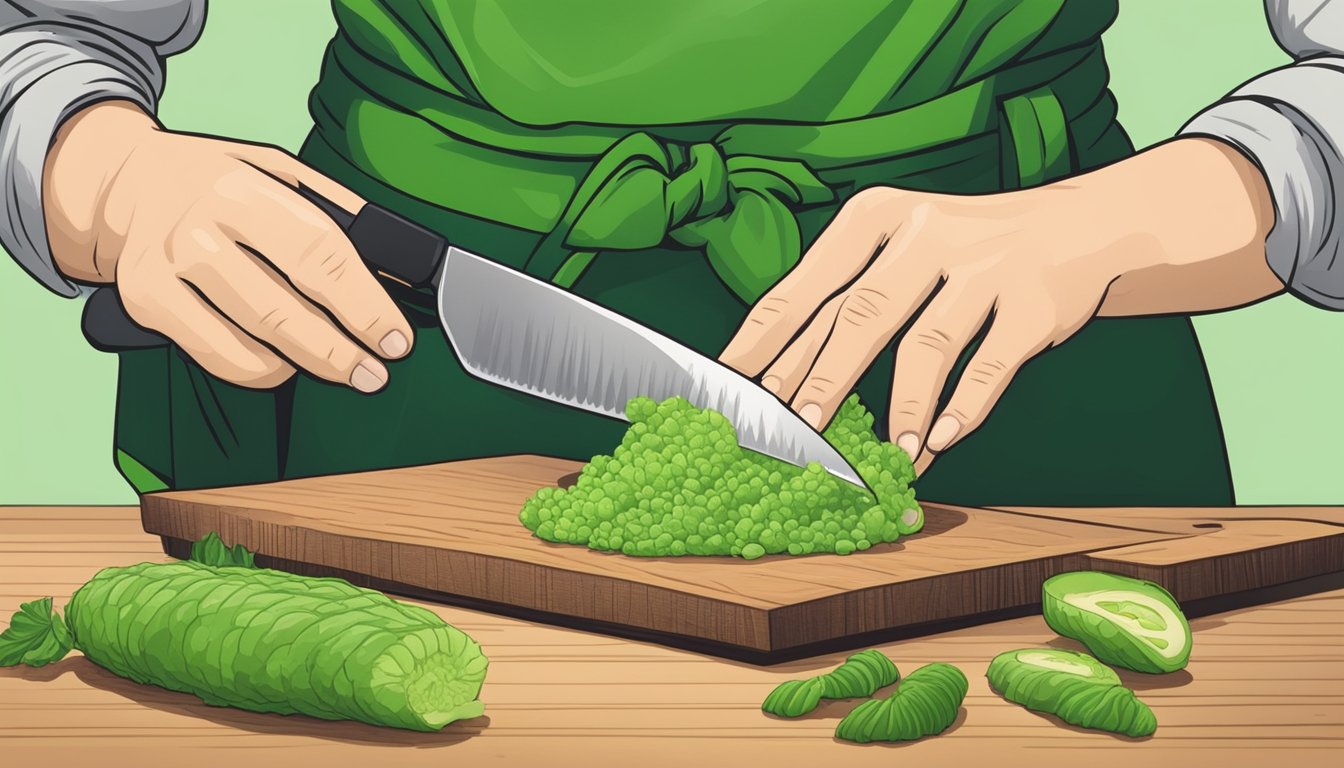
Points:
[(671, 161)]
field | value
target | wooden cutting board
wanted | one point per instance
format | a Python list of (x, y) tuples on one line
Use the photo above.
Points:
[(450, 532)]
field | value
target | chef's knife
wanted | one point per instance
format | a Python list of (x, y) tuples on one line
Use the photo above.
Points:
[(514, 330)]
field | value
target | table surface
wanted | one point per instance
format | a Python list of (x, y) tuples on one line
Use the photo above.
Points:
[(1264, 684)]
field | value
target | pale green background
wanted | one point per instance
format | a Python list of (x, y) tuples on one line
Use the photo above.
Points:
[(1277, 367)]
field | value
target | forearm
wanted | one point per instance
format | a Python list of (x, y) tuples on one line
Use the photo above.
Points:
[(1190, 234), (1290, 124), (54, 62)]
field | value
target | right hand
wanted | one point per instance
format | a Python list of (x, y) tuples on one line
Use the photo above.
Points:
[(208, 243)]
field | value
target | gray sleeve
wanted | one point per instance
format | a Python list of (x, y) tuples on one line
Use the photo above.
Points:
[(56, 57), (1290, 122)]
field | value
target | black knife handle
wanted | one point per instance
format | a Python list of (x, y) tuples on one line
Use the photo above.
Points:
[(385, 241)]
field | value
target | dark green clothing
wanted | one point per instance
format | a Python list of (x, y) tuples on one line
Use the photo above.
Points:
[(671, 167)]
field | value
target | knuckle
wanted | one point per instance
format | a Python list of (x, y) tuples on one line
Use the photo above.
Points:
[(924, 212), (926, 340), (817, 388), (870, 200), (324, 260), (863, 305), (235, 185), (769, 310), (276, 322), (276, 153), (192, 245), (987, 373)]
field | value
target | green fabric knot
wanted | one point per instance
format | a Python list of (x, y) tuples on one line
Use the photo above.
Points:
[(642, 193)]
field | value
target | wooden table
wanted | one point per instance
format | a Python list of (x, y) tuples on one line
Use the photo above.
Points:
[(1265, 686)]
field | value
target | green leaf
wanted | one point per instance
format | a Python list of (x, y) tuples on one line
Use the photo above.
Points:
[(211, 550), (36, 636)]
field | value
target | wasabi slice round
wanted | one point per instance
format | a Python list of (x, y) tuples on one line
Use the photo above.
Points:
[(1127, 622), (1072, 686)]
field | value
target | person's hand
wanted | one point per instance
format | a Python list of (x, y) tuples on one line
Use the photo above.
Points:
[(1180, 228), (209, 244)]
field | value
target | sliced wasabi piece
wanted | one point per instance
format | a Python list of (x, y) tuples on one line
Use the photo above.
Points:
[(794, 698), (926, 703), (1127, 622), (1073, 686), (860, 675)]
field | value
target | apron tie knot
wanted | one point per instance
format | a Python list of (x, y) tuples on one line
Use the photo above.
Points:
[(740, 209)]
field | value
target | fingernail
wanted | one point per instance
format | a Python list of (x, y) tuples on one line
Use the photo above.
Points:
[(811, 413), (369, 376), (394, 344), (909, 442), (943, 433), (771, 383)]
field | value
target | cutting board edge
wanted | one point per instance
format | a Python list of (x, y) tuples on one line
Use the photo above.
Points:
[(162, 520), (760, 654), (770, 630), (1201, 578)]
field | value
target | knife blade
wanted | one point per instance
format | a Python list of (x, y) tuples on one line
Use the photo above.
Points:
[(514, 330)]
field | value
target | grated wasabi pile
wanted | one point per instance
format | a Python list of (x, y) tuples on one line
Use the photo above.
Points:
[(679, 484)]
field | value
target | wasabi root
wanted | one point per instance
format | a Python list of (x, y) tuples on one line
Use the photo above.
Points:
[(261, 640), (860, 675), (1126, 622), (679, 484), (1072, 686), (925, 704)]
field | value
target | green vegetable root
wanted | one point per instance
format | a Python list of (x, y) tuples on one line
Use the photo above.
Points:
[(264, 641)]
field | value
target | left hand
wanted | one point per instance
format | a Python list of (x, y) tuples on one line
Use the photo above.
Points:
[(1178, 229)]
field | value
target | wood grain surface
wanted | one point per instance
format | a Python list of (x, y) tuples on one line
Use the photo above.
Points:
[(1265, 686), (450, 532)]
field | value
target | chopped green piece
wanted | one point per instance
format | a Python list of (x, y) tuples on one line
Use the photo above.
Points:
[(1073, 686), (211, 550), (794, 698), (926, 703), (679, 484), (1127, 622), (860, 675), (264, 641)]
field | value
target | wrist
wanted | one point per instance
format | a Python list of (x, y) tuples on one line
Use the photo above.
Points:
[(87, 152), (1190, 212)]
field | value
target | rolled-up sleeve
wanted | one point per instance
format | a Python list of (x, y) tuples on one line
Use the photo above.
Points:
[(57, 57), (1290, 122)]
